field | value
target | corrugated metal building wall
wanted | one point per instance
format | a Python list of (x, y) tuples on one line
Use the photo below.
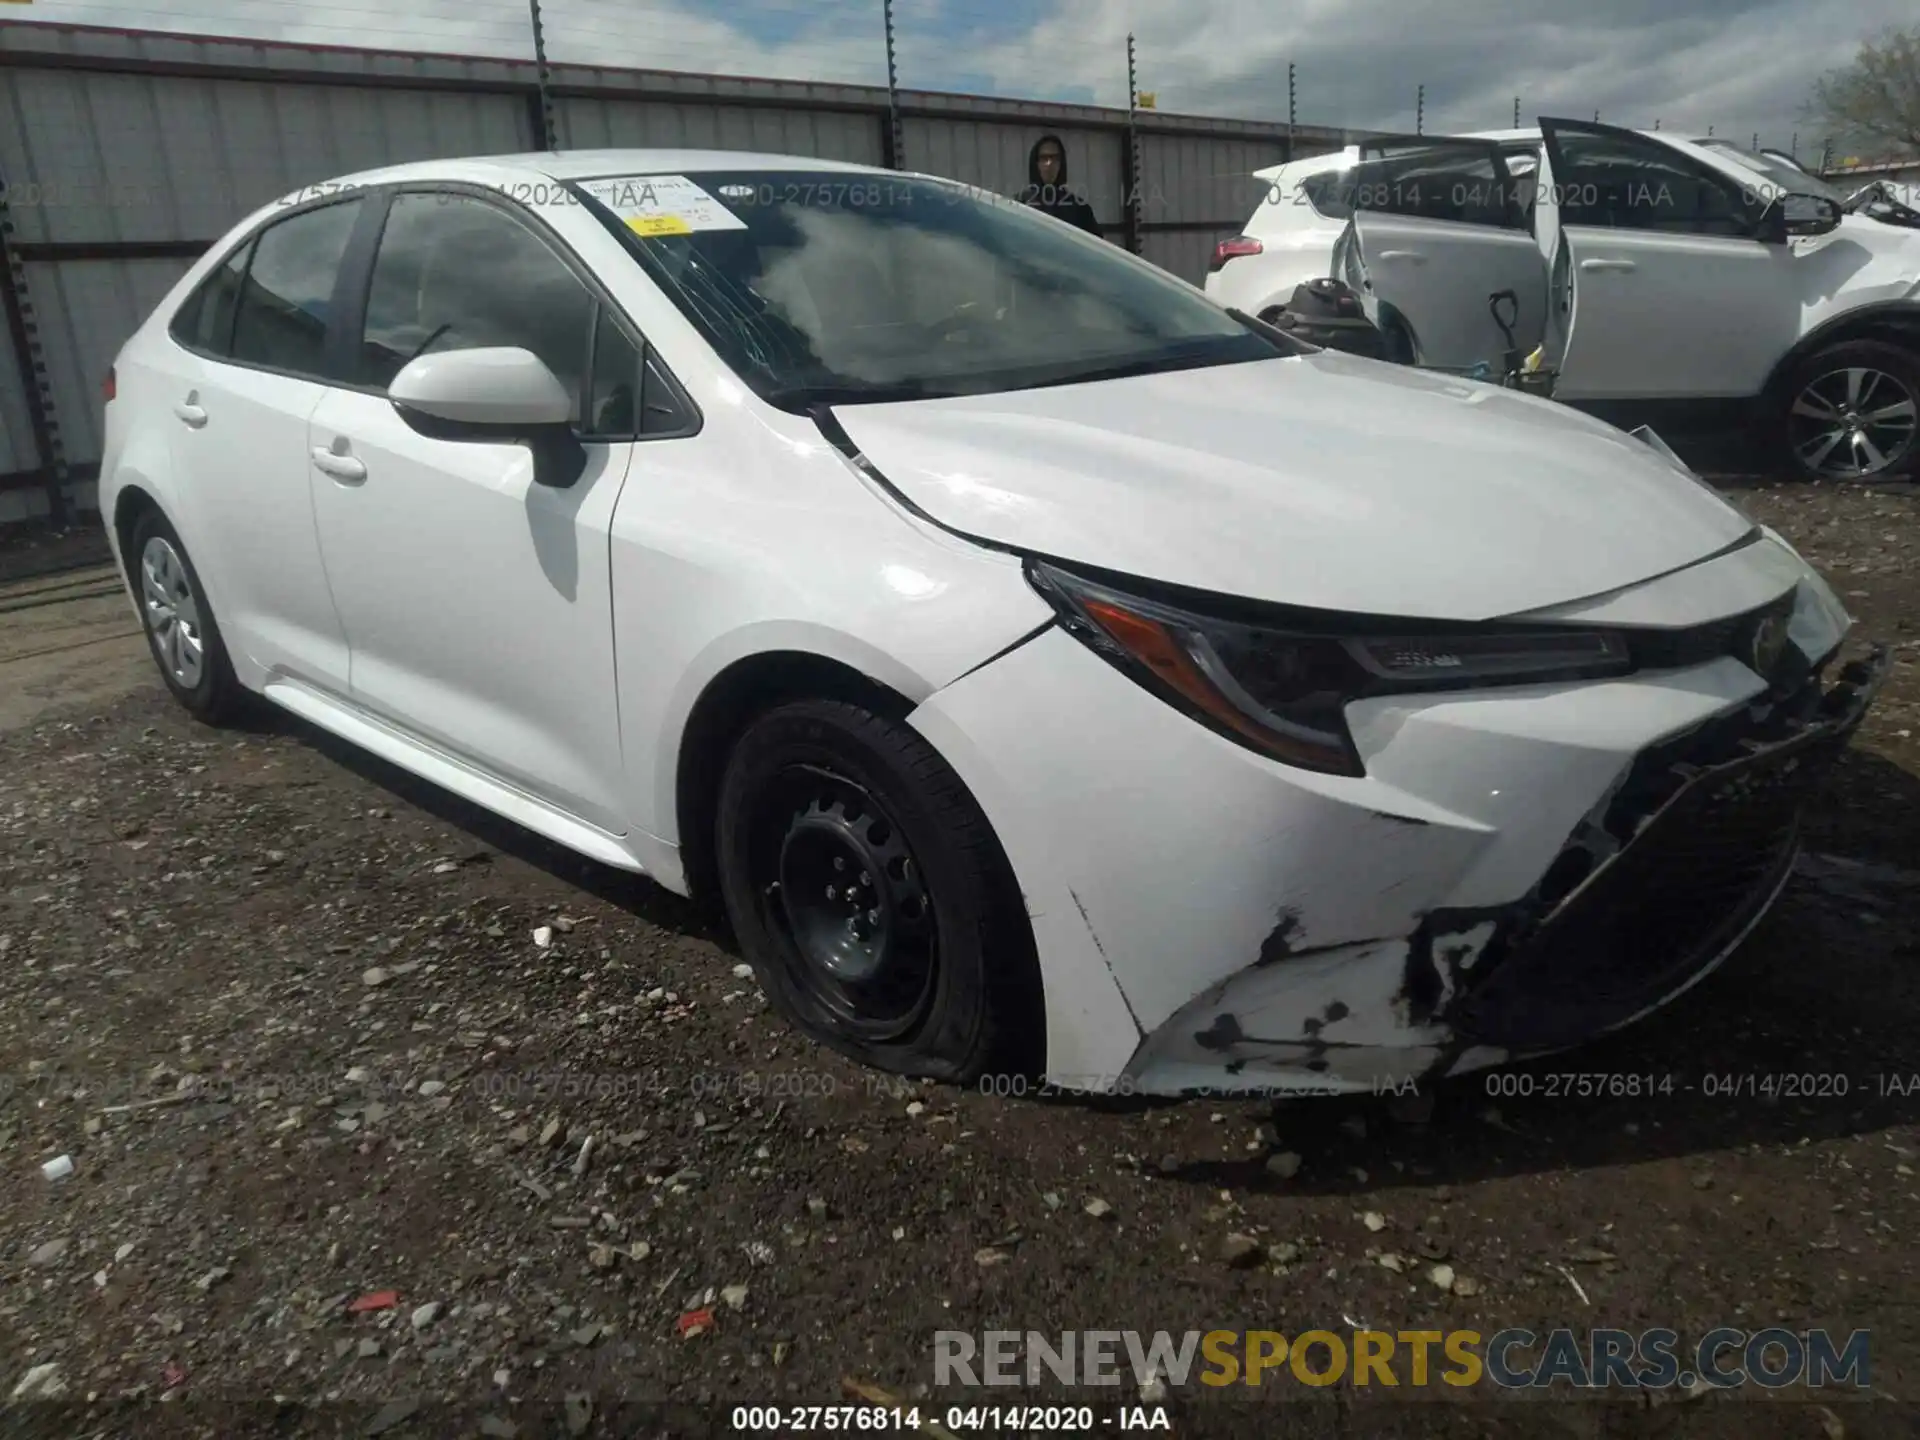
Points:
[(125, 154)]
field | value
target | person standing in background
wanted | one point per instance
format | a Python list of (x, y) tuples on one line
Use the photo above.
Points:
[(1047, 189)]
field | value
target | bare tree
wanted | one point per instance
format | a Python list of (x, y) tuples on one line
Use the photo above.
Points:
[(1875, 101)]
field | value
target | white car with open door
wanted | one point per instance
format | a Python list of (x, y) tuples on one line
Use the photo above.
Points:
[(1046, 670), (1665, 281)]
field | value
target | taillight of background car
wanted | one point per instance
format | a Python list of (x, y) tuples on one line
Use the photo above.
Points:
[(1231, 249), (108, 386)]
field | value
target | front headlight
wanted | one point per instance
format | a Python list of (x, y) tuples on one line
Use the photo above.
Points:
[(1283, 688)]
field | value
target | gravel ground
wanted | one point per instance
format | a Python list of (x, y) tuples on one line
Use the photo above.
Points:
[(379, 1107)]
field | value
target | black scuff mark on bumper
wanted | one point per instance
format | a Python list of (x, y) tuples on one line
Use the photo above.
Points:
[(1279, 944), (1225, 1034), (1393, 819)]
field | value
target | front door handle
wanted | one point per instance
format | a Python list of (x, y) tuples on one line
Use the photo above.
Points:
[(1417, 256), (340, 467), (1622, 265), (191, 414)]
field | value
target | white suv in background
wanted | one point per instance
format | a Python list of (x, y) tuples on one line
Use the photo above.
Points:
[(1682, 283)]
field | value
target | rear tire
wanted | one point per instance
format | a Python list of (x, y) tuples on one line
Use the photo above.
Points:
[(868, 892), (1850, 412), (181, 632)]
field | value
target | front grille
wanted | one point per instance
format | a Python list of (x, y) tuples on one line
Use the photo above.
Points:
[(1674, 649), (1703, 842)]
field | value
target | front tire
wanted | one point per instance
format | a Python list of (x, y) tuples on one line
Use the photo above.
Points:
[(1850, 412), (181, 631), (869, 894)]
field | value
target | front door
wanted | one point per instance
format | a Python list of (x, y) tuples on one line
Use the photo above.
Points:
[(1668, 282), (476, 600), (1438, 231)]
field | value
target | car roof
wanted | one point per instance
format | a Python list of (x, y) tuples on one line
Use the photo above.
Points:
[(588, 164)]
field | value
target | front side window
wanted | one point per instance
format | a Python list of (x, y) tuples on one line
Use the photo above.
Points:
[(847, 287), (1623, 181), (456, 272), (280, 320), (613, 403), (1782, 175)]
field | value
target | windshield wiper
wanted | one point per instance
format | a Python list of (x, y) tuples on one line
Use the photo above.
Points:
[(843, 393), (1191, 355)]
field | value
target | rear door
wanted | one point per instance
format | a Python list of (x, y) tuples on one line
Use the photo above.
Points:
[(1671, 282), (254, 362), (1439, 229)]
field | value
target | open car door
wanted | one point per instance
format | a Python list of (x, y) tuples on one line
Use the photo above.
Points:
[(1669, 280), (1438, 228)]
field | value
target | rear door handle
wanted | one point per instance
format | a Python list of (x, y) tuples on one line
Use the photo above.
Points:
[(1622, 265), (191, 414), (340, 467)]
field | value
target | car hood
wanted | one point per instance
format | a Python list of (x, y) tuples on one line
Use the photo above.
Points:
[(1322, 481)]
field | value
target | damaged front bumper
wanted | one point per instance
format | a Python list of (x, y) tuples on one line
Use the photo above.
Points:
[(1519, 870), (1651, 892)]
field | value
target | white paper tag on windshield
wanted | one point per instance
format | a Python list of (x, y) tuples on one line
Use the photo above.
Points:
[(663, 205)]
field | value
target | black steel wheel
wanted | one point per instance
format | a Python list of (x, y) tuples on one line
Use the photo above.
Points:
[(869, 893)]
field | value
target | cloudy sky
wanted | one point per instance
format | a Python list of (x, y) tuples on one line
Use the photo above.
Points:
[(1741, 66)]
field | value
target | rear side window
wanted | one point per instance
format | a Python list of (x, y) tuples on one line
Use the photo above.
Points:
[(281, 322), (1465, 186), (1326, 193), (205, 321)]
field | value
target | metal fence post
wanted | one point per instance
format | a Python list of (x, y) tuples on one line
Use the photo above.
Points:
[(1291, 113), (1420, 111), (1130, 148), (546, 128), (1516, 112), (893, 147), (31, 360)]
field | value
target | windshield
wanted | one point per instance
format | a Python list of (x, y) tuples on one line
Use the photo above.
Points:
[(839, 286), (1791, 179)]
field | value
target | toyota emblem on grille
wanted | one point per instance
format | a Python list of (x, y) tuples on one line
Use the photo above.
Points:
[(1768, 639)]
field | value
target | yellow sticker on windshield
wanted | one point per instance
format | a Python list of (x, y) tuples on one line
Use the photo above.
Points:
[(662, 205), (658, 225)]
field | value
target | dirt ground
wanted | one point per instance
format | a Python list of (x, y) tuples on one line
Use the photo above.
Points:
[(289, 1015)]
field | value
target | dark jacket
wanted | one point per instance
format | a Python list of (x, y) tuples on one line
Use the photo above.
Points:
[(1056, 199)]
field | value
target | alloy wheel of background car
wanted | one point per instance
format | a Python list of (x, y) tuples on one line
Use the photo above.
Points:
[(179, 623), (867, 890), (1854, 413)]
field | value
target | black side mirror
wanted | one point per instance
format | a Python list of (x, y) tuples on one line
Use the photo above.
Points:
[(1809, 215)]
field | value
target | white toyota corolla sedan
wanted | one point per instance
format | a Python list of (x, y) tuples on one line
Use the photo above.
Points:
[(1052, 673)]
